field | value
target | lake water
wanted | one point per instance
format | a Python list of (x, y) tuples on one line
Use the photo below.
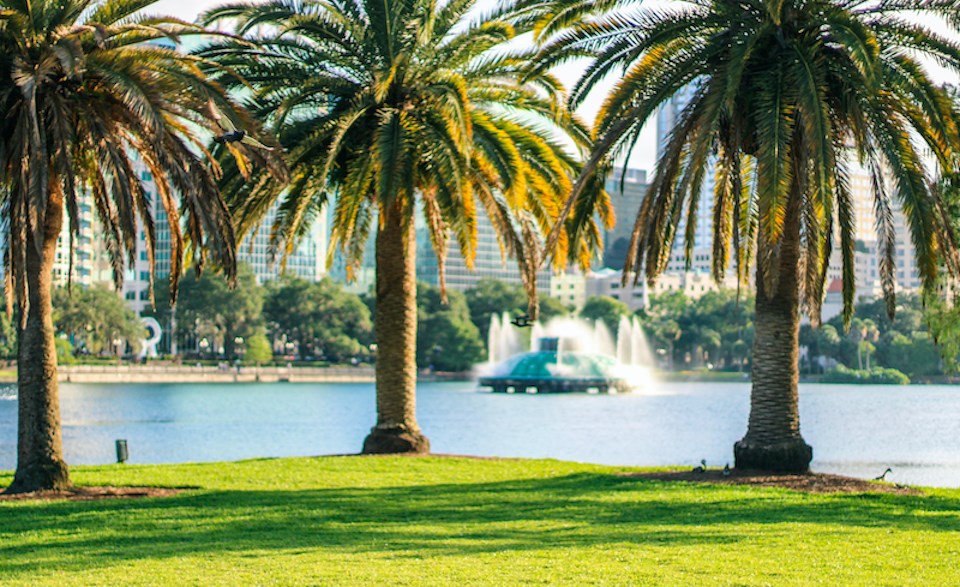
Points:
[(854, 430)]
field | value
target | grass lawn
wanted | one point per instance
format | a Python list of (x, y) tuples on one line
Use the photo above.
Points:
[(452, 521)]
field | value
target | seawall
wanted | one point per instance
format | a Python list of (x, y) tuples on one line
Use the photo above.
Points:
[(210, 374)]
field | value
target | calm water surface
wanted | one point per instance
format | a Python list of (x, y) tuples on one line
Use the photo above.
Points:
[(855, 430)]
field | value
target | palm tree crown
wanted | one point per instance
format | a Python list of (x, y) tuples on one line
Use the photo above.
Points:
[(396, 107), (85, 90), (383, 103), (786, 96), (89, 88)]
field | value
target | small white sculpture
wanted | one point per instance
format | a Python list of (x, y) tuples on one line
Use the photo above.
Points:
[(148, 347)]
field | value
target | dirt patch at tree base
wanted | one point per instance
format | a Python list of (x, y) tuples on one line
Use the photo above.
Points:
[(807, 482), (93, 493)]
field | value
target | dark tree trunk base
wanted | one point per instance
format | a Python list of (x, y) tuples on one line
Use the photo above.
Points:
[(786, 457), (52, 476), (395, 441)]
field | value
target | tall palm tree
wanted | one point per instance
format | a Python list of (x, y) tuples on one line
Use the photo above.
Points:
[(787, 95), (84, 93), (390, 107)]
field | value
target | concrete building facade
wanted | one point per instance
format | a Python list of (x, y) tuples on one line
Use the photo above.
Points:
[(489, 261)]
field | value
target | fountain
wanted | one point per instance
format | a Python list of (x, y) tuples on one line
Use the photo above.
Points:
[(567, 355)]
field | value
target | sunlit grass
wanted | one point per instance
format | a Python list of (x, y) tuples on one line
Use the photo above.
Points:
[(451, 521)]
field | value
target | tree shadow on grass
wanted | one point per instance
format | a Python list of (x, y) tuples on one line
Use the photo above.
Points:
[(579, 510)]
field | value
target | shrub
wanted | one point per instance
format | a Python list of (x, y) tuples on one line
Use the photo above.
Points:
[(877, 375)]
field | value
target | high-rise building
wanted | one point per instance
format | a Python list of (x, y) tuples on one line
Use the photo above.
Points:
[(667, 118), (627, 188), (701, 258), (489, 261), (308, 259), (136, 282), (90, 262), (867, 256)]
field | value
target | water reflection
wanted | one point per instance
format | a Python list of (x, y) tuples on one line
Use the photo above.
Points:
[(854, 430)]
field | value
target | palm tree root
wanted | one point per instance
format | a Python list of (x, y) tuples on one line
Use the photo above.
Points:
[(792, 456), (48, 476), (394, 441)]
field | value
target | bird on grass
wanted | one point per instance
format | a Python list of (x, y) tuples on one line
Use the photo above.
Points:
[(883, 476), (230, 132), (521, 321), (726, 470), (702, 467)]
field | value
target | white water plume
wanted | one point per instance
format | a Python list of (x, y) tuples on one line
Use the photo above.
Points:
[(629, 347)]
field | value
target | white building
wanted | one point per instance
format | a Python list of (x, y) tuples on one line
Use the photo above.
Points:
[(90, 262), (867, 256), (576, 288)]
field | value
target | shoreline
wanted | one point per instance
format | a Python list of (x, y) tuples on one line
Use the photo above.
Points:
[(167, 373), (214, 374)]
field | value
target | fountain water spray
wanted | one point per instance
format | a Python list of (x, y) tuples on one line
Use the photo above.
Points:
[(568, 355)]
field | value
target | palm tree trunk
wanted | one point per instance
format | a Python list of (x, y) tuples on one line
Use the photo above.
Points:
[(40, 464), (773, 440), (396, 328)]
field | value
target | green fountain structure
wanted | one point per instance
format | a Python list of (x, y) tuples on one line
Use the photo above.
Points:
[(581, 358)]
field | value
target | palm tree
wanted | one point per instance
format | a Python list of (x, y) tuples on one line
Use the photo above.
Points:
[(787, 95), (390, 107), (84, 93)]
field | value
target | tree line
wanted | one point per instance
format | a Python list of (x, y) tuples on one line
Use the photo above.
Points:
[(286, 320), (295, 320)]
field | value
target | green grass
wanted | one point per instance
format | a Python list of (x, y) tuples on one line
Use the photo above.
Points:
[(446, 521)]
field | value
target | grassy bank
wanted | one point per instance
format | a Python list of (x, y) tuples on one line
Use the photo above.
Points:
[(445, 521)]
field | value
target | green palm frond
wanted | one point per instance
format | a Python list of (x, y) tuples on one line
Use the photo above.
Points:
[(84, 94)]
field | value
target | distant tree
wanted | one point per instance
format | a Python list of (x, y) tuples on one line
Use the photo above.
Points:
[(671, 303), (8, 336), (492, 296), (321, 318), (447, 339), (550, 308), (94, 318), (605, 309), (258, 349), (916, 355), (64, 351), (208, 305), (820, 342)]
